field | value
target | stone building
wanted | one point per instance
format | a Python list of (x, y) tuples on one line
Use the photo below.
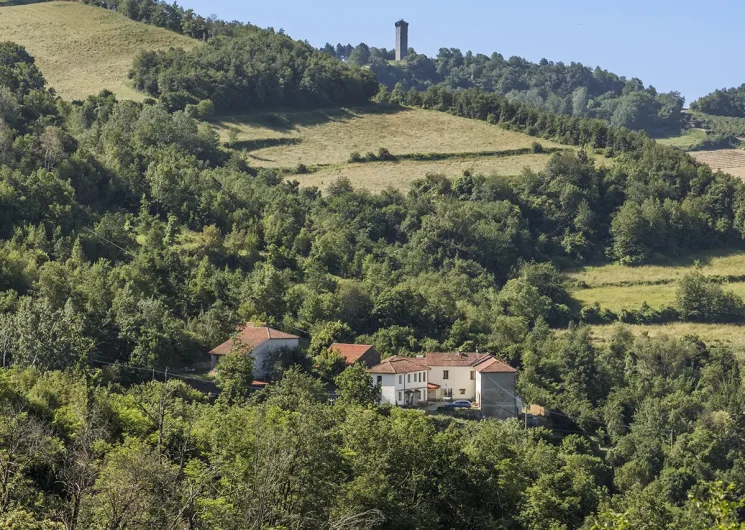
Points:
[(402, 39)]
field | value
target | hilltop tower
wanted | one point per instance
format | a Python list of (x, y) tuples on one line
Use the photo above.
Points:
[(402, 39)]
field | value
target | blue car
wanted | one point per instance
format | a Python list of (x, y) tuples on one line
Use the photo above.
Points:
[(460, 404)]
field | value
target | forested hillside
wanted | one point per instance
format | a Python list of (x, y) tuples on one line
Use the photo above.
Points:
[(723, 102), (133, 240), (573, 89)]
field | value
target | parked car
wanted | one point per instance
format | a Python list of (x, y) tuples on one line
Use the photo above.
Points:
[(459, 404)]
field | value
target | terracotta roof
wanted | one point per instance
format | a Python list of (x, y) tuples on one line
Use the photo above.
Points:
[(493, 365), (455, 358), (251, 337), (399, 365), (432, 386), (351, 352)]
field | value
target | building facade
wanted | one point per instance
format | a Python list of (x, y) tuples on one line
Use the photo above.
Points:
[(261, 342), (449, 376), (496, 390), (402, 380)]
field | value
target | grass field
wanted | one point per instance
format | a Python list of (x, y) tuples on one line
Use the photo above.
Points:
[(730, 161), (690, 138), (82, 49), (727, 334), (376, 176), (611, 285), (722, 262), (330, 136)]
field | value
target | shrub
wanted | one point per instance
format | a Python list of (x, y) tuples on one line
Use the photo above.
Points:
[(699, 299), (384, 154), (355, 157), (536, 147), (594, 314), (301, 169), (205, 109)]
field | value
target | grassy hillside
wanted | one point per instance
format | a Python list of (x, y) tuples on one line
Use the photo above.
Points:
[(730, 335), (82, 49), (327, 137), (616, 287)]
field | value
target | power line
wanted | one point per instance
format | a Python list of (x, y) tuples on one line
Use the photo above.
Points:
[(109, 241)]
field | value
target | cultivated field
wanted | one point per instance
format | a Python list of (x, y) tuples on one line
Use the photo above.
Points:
[(730, 161), (82, 49), (329, 136)]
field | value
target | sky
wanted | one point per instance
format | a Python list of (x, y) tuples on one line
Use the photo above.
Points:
[(689, 46)]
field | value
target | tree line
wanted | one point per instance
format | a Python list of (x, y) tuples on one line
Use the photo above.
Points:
[(728, 102), (574, 89)]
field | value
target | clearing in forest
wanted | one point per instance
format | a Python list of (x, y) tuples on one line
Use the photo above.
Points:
[(617, 287), (82, 49), (327, 138), (731, 335)]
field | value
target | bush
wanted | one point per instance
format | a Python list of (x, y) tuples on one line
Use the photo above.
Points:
[(355, 157), (301, 169), (594, 314), (700, 299), (536, 147), (205, 109), (648, 315), (384, 154)]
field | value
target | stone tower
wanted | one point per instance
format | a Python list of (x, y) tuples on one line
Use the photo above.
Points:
[(402, 39)]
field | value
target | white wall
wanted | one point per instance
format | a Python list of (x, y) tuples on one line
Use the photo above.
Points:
[(459, 377), (263, 355), (393, 384)]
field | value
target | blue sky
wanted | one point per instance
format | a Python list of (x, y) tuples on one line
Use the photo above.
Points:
[(685, 45)]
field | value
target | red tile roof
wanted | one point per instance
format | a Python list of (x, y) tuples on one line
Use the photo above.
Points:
[(455, 358), (351, 352), (493, 365), (250, 337), (399, 365), (432, 386)]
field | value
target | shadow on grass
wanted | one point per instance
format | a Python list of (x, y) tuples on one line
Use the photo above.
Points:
[(289, 120), (253, 145)]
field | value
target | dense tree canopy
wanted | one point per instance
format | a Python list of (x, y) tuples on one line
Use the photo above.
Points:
[(573, 89), (723, 102)]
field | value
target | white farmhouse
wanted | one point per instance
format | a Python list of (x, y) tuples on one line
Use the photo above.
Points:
[(454, 373), (262, 342), (402, 380), (449, 376)]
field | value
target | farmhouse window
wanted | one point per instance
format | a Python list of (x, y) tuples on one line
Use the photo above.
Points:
[(462, 391), (445, 374), (380, 379), (473, 375)]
